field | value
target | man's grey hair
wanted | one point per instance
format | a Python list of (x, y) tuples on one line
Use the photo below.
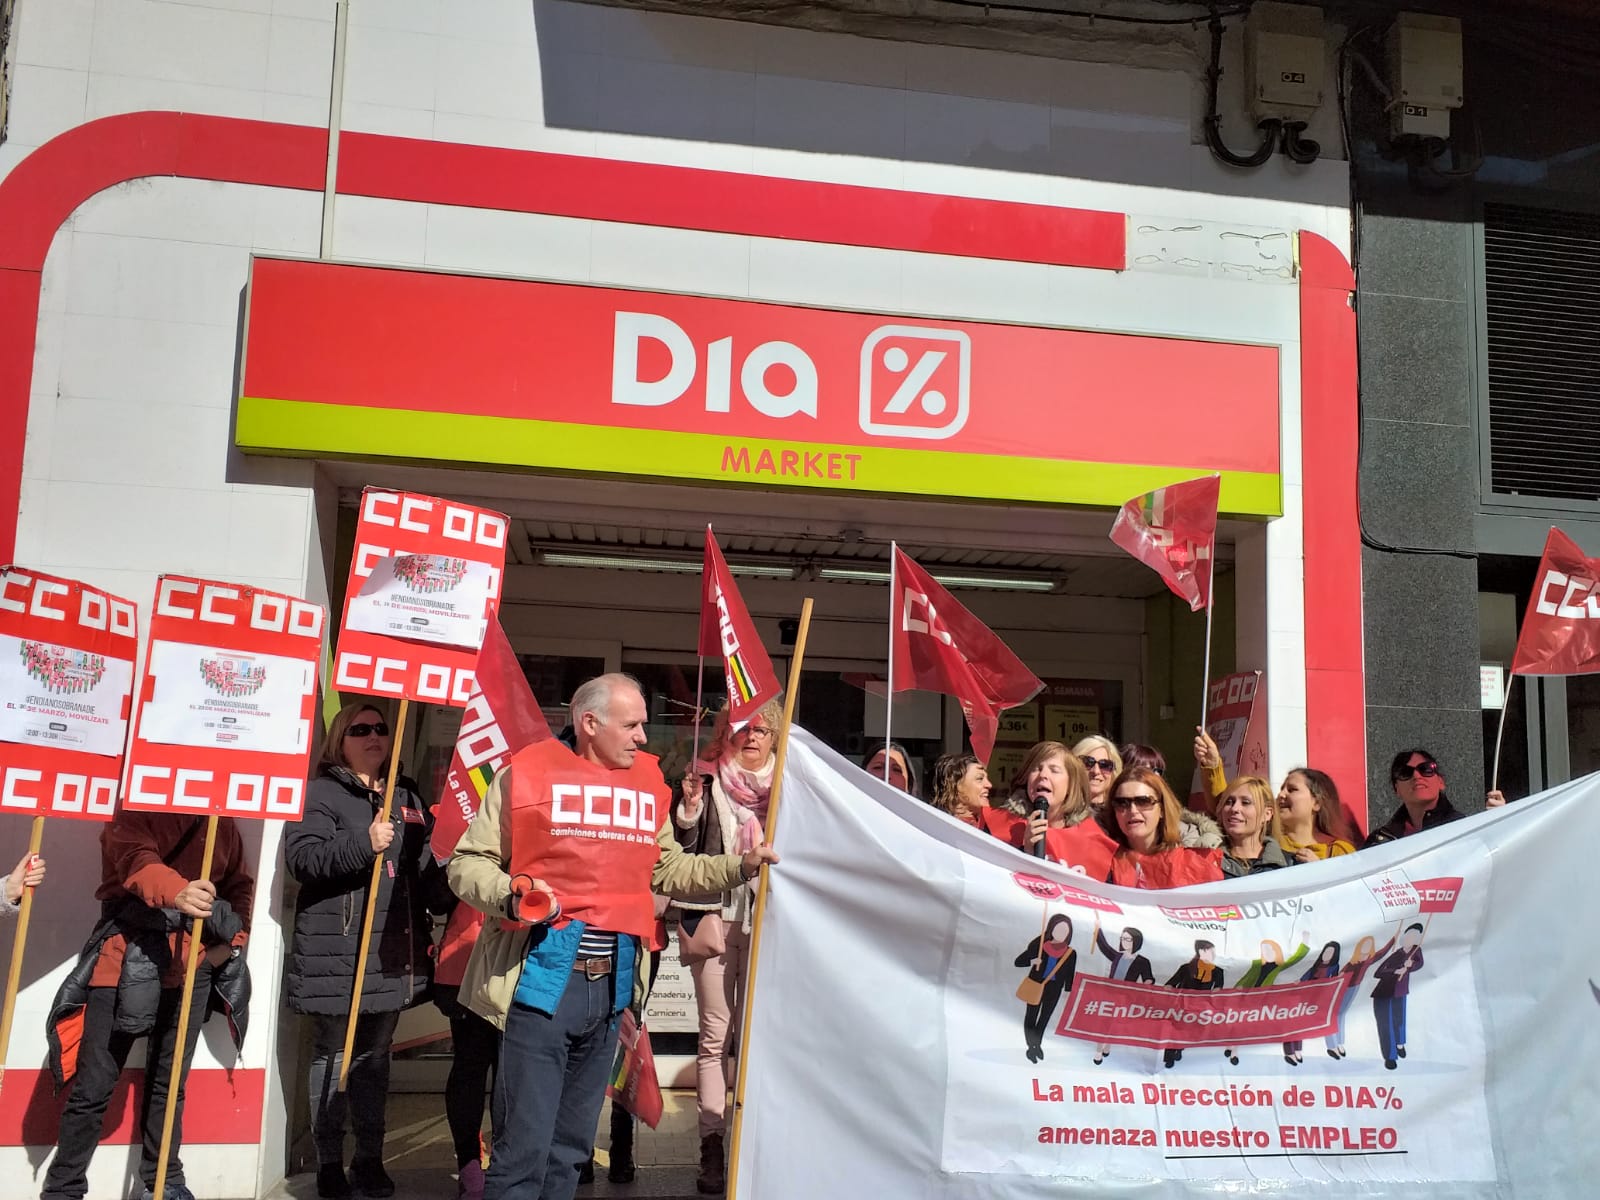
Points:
[(595, 696)]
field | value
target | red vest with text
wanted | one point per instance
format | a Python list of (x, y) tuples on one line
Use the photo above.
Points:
[(590, 833)]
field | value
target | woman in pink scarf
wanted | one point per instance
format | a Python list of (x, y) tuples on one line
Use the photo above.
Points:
[(723, 811)]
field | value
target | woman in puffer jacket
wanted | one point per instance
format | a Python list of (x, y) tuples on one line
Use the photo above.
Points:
[(330, 854)]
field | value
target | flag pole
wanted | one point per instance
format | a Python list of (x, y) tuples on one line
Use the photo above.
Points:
[(771, 832), (14, 978), (888, 692), (191, 965), (1205, 671), (1500, 733), (372, 901)]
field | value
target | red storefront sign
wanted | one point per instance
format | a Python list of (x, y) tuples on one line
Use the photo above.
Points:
[(68, 685), (494, 370), (227, 701)]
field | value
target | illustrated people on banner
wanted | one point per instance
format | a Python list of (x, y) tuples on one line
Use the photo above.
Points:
[(1363, 958), (1390, 993), (1199, 974), (128, 983), (1326, 967), (1127, 964), (1264, 972), (1052, 964), (330, 854)]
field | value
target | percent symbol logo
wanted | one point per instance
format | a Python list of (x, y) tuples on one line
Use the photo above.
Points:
[(915, 381)]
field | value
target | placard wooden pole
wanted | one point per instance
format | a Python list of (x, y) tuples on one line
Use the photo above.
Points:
[(372, 900), (14, 977), (191, 964), (748, 995)]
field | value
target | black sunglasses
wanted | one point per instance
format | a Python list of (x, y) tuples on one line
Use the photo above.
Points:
[(1090, 762), (1141, 802), (1427, 770), (362, 730)]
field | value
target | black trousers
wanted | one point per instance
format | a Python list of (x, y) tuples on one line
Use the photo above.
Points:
[(475, 1046), (101, 1056)]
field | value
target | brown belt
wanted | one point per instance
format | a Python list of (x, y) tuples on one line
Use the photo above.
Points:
[(592, 968)]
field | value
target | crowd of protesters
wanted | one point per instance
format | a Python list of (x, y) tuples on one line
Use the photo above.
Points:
[(533, 1001)]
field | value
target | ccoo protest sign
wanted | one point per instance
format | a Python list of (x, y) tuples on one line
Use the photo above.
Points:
[(226, 702), (424, 584), (1400, 1021), (66, 683)]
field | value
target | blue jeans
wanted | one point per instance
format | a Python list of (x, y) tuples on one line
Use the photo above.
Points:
[(548, 1092), (1390, 1012)]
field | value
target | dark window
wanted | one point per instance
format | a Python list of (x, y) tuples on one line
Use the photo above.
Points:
[(1542, 290)]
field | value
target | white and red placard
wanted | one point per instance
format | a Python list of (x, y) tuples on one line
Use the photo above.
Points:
[(227, 702), (424, 584), (66, 682), (1236, 720)]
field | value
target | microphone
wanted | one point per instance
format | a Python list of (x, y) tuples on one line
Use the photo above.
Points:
[(1041, 808)]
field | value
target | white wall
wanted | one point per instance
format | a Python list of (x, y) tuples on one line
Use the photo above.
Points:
[(128, 471)]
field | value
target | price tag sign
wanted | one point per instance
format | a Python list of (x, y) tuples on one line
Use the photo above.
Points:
[(1020, 724), (1069, 722)]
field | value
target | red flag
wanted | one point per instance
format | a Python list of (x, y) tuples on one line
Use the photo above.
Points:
[(941, 647), (728, 633), (501, 718), (1561, 630), (1173, 531)]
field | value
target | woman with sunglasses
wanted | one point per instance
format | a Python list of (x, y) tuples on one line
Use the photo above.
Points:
[(330, 854), (1103, 762), (1145, 820), (1418, 782), (723, 810)]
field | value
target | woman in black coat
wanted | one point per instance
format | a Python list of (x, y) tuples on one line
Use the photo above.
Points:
[(330, 854), (1051, 963)]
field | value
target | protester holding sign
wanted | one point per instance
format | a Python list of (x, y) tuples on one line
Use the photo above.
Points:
[(563, 854), (1311, 817), (1245, 814), (330, 854), (1417, 780), (29, 872), (128, 981), (723, 811), (1146, 823)]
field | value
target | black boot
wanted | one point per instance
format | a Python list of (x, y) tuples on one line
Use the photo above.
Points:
[(713, 1180), (369, 1178), (621, 1169)]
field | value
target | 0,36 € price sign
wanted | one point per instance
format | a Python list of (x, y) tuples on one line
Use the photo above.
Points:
[(227, 701), (424, 584), (66, 682)]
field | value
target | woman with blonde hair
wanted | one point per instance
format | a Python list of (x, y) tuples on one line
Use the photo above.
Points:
[(723, 810), (1145, 821), (1102, 761), (1248, 816)]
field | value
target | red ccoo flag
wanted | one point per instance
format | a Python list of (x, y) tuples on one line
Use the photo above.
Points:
[(728, 633), (1561, 630), (1173, 531), (501, 718), (941, 647)]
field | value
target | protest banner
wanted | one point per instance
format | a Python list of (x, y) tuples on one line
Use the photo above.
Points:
[(223, 726), (66, 682), (1404, 1020), (424, 586), (1236, 720)]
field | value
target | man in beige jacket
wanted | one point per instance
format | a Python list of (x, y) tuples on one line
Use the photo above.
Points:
[(553, 972)]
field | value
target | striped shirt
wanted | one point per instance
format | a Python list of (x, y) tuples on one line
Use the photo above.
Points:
[(597, 943)]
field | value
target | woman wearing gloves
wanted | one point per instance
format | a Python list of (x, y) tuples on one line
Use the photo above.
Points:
[(723, 811), (330, 854)]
